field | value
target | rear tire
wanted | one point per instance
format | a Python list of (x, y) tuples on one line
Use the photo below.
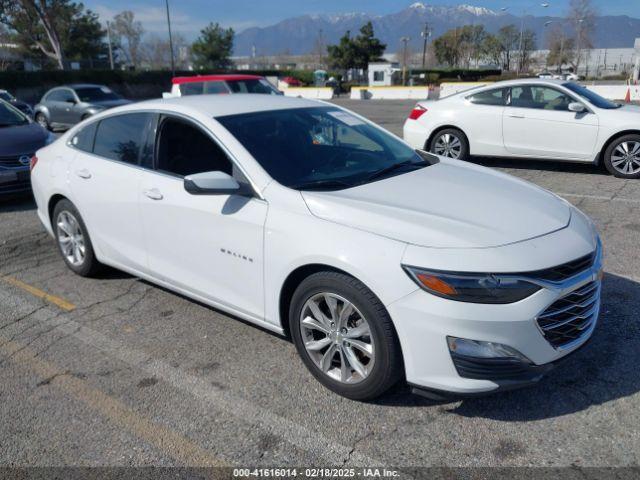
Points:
[(72, 238), (622, 157), (450, 143), (347, 342)]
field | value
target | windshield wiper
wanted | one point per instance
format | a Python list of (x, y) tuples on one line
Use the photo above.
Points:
[(392, 168), (322, 184)]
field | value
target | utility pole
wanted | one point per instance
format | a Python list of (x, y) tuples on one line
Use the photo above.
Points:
[(404, 40), (426, 33), (109, 41), (173, 62)]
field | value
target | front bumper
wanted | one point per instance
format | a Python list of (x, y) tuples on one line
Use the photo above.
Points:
[(424, 322), (14, 181)]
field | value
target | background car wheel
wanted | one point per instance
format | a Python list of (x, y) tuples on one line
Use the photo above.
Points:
[(41, 119), (73, 240), (345, 336), (451, 143), (622, 157)]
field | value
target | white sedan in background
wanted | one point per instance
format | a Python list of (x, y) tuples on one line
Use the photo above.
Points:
[(531, 118), (383, 263)]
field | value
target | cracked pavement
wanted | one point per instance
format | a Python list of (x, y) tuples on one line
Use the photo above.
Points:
[(138, 375)]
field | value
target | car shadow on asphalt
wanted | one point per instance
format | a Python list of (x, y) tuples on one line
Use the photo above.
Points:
[(17, 203), (545, 165), (604, 370)]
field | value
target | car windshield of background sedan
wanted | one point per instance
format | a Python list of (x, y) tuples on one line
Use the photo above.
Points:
[(11, 117), (321, 148), (591, 97), (252, 86), (96, 94)]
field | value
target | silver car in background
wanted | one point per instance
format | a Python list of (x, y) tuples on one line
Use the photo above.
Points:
[(63, 107)]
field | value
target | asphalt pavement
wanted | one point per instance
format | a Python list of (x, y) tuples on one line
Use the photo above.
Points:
[(115, 371)]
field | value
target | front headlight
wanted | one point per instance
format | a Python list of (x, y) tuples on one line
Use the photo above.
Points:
[(472, 287)]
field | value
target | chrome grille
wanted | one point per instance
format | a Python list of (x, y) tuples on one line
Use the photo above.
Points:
[(566, 270), (572, 316), (13, 162)]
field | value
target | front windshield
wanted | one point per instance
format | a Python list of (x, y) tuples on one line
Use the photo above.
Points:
[(590, 96), (321, 147), (11, 117), (6, 96), (96, 94)]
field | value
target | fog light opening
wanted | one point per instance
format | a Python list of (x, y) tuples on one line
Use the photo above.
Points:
[(479, 349)]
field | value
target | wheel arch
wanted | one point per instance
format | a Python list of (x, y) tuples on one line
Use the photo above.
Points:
[(292, 281), (613, 138), (51, 205), (437, 130)]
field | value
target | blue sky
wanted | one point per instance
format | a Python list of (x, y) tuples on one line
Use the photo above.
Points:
[(188, 16)]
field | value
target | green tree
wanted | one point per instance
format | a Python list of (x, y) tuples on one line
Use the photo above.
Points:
[(460, 45), (526, 49), (356, 52), (84, 39), (54, 29), (212, 49)]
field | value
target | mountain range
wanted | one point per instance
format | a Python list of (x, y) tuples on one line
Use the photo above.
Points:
[(300, 35)]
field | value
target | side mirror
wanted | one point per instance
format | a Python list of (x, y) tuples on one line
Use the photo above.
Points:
[(577, 107), (212, 183)]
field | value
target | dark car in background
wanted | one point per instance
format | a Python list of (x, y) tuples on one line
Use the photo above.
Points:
[(24, 107), (20, 137), (63, 107)]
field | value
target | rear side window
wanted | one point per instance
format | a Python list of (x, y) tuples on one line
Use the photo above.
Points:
[(497, 97), (215, 87), (59, 96), (122, 137), (83, 140), (191, 88)]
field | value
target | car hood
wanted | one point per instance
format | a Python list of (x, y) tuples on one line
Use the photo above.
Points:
[(21, 139), (448, 205)]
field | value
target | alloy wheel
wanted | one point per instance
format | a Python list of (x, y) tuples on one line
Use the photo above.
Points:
[(448, 145), (70, 238), (337, 338), (626, 158)]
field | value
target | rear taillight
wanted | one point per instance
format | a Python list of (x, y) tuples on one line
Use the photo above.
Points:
[(33, 162), (417, 112)]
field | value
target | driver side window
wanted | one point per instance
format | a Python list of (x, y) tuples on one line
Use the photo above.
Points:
[(541, 98), (183, 149)]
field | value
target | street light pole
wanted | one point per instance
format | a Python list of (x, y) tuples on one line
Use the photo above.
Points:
[(404, 40), (109, 41), (426, 33), (173, 62)]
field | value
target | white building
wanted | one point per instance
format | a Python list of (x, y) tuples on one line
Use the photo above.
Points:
[(380, 74)]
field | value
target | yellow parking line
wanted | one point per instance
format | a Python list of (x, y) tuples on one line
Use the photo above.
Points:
[(168, 441), (36, 292)]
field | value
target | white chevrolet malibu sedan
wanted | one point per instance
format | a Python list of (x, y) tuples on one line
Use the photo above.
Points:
[(383, 263), (530, 118)]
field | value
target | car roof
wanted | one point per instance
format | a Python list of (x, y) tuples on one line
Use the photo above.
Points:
[(221, 105), (519, 81), (209, 78)]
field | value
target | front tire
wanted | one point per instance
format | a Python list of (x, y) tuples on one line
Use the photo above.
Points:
[(622, 157), (72, 238), (345, 336), (41, 120), (450, 143)]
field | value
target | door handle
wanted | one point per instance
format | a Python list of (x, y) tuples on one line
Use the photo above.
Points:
[(84, 173), (515, 115), (153, 194)]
